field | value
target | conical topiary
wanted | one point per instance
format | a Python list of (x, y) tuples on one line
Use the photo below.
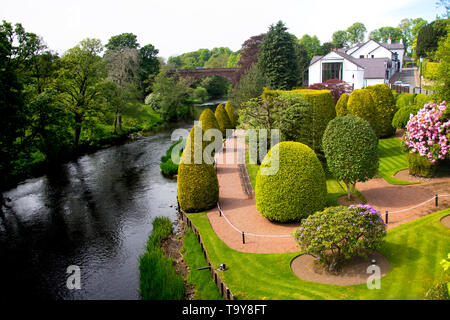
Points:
[(384, 108), (197, 184), (223, 120), (361, 104), (341, 105), (208, 120), (231, 114)]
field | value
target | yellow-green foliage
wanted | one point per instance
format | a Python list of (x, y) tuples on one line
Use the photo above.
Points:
[(223, 120), (384, 109), (395, 94), (297, 189), (208, 120), (231, 114), (422, 99), (405, 99), (431, 70), (361, 104), (341, 105), (197, 184), (323, 111)]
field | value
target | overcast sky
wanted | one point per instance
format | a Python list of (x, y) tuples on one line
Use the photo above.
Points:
[(177, 26)]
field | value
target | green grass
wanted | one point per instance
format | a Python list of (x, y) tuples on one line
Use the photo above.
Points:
[(158, 276), (392, 160), (205, 288), (413, 249)]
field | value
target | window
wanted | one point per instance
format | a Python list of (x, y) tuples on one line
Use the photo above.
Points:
[(373, 56), (361, 56), (332, 71)]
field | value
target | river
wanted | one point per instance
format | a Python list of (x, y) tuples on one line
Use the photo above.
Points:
[(95, 213)]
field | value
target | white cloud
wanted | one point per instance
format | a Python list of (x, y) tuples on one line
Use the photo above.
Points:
[(175, 27)]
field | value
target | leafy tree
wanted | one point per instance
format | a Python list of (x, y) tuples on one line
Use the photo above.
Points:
[(149, 66), (79, 81), (233, 60), (340, 38), (429, 37), (250, 86), (384, 33), (442, 86), (277, 58), (327, 47), (445, 4), (312, 46), (351, 150), (356, 32), (121, 41)]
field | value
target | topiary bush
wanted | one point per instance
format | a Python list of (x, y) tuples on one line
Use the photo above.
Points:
[(405, 99), (403, 115), (384, 108), (208, 120), (223, 120), (168, 167), (197, 184), (341, 105), (231, 114), (395, 95), (339, 233), (294, 191), (420, 166), (361, 104), (422, 99), (351, 150)]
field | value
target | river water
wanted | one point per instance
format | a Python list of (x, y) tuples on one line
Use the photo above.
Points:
[(95, 213)]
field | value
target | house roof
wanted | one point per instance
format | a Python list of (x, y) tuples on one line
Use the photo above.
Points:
[(340, 53), (393, 46), (374, 68)]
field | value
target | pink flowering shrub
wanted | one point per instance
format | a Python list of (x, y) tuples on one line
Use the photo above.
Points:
[(428, 132), (339, 233)]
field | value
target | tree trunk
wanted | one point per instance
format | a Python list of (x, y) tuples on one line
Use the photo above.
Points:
[(78, 123), (349, 191)]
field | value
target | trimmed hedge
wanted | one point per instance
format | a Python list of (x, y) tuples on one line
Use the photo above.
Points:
[(231, 114), (402, 116), (322, 112), (361, 104), (208, 120), (223, 120), (296, 190), (420, 166), (341, 105), (384, 108), (197, 184), (405, 99)]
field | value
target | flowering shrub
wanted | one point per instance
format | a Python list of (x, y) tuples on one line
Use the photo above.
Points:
[(428, 132), (339, 233)]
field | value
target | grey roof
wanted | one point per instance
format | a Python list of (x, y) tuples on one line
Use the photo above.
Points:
[(393, 46), (374, 68), (315, 59)]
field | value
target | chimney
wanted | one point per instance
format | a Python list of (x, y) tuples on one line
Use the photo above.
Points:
[(389, 40)]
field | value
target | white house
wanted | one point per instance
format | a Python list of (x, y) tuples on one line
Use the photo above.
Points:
[(365, 64)]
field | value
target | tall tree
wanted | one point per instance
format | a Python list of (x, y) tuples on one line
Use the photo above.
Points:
[(312, 45), (249, 53), (384, 33), (340, 38), (149, 67), (124, 40), (79, 81), (356, 32), (278, 59), (429, 37)]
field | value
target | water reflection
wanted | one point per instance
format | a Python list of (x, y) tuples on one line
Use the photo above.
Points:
[(96, 213)]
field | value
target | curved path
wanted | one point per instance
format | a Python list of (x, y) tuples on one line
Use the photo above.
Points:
[(241, 211)]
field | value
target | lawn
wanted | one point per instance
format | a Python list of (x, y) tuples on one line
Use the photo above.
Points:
[(413, 249), (392, 160)]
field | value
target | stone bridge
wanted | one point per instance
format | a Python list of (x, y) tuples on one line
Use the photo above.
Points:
[(231, 74)]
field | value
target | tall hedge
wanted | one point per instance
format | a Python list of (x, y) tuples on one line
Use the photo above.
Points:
[(231, 114), (422, 99), (197, 184), (361, 104), (384, 109), (208, 120), (297, 189), (322, 111), (223, 120), (341, 105)]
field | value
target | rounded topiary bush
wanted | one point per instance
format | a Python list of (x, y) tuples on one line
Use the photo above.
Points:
[(361, 104), (384, 108), (405, 99), (341, 105), (294, 191), (223, 120), (422, 99), (351, 150), (231, 114), (403, 115), (208, 120), (197, 184)]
